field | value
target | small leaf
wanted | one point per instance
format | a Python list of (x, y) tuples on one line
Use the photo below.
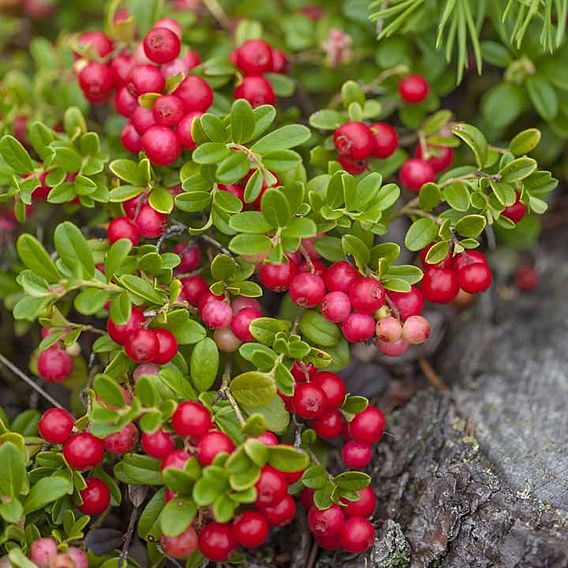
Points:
[(253, 389), (474, 138), (283, 138), (525, 141), (204, 364), (420, 234), (471, 225)]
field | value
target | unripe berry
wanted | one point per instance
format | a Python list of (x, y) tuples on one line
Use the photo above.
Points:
[(357, 535), (226, 340), (340, 276), (386, 139), (282, 513), (130, 138), (277, 276), (307, 290), (356, 455), (192, 59), (440, 285), (254, 57), (516, 211), (354, 140), (358, 327), (83, 451), (367, 295), (183, 130), (193, 288), (191, 418), (408, 303), (95, 80), (416, 330), (145, 79), (388, 329), (42, 551), (170, 24), (158, 444), (413, 89), (326, 522), (333, 387), (168, 110), (123, 441), (150, 223), (309, 401), (271, 487), (336, 306), (55, 425), (364, 506), (257, 91), (95, 497), (54, 365), (240, 324), (196, 94), (212, 444), (78, 557), (161, 145), (368, 426), (216, 542), (146, 369), (181, 546), (393, 348), (142, 346), (414, 173), (329, 425), (176, 67), (161, 45), (61, 560), (441, 157), (121, 332), (123, 228), (475, 278), (250, 529), (216, 314)]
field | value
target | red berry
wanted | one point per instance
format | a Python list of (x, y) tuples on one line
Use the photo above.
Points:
[(340, 277), (192, 59), (336, 306), (145, 79), (176, 460), (191, 419), (329, 425), (468, 257), (161, 145), (277, 276), (386, 139), (257, 91), (307, 290), (121, 332), (282, 513), (392, 348), (367, 295), (388, 329), (240, 325), (326, 522), (364, 506), (196, 94), (123, 228), (357, 535), (147, 369), (250, 529), (83, 451), (309, 401), (268, 439), (356, 455), (307, 498), (95, 497), (216, 542), (158, 444), (212, 444), (123, 441), (142, 346), (42, 551), (95, 80), (516, 211), (150, 223), (414, 173), (194, 287), (333, 387), (168, 110), (120, 68), (190, 256), (351, 166), (354, 140), (167, 346), (130, 138), (181, 546), (408, 303), (271, 487), (302, 372), (440, 285), (358, 327), (280, 62), (242, 302), (216, 314), (176, 67), (413, 89), (54, 365), (55, 425), (416, 330), (98, 41), (475, 278), (526, 279), (184, 132), (254, 57), (124, 102), (368, 426), (161, 45), (441, 157)]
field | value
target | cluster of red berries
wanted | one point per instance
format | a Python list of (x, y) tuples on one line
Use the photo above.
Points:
[(44, 553), (143, 345), (468, 271)]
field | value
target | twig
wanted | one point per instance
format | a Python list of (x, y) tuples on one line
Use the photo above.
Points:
[(313, 555), (225, 393), (215, 243), (6, 362), (218, 13), (432, 376)]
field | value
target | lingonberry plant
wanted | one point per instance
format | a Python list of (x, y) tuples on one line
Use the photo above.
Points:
[(212, 259)]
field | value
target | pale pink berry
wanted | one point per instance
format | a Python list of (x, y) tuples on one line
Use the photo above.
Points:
[(388, 329), (416, 330), (394, 349)]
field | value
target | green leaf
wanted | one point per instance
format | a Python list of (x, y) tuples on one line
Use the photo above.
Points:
[(109, 391), (275, 413), (252, 222), (420, 234), (161, 200), (315, 477), (177, 515), (15, 155), (525, 141), (351, 92), (356, 248), (282, 138), (518, 169), (502, 104), (138, 470), (429, 197), (543, 97), (116, 256), (241, 121), (288, 458), (457, 196), (73, 249), (193, 201), (12, 470), (233, 168), (150, 515), (204, 364), (275, 208), (471, 225), (141, 288), (45, 491), (127, 170), (253, 389), (352, 480), (249, 244), (265, 329), (36, 258), (318, 329), (211, 153), (327, 119), (475, 139)]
